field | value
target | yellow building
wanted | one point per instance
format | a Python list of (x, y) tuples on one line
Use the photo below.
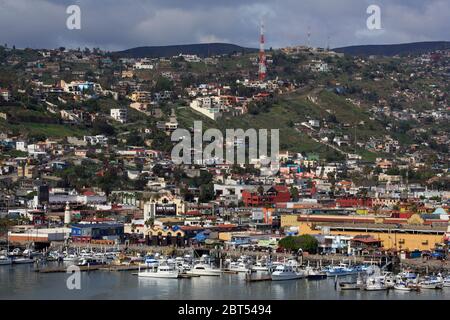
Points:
[(393, 236), (27, 171)]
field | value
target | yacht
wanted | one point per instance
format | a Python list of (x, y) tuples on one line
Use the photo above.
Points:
[(202, 269), (4, 260), (286, 272), (165, 271)]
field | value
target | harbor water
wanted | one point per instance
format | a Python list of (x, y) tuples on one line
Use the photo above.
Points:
[(22, 282)]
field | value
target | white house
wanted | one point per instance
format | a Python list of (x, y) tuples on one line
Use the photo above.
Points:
[(120, 115)]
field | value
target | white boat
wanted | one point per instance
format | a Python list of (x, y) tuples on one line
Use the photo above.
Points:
[(23, 261), (240, 267), (202, 269), (286, 272), (447, 281), (151, 262), (260, 267), (71, 258), (315, 274), (402, 286), (388, 279), (166, 271), (431, 283), (90, 261), (358, 285), (375, 284), (340, 270), (16, 252), (4, 260)]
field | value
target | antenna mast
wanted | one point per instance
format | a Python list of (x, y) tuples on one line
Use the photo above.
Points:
[(262, 56)]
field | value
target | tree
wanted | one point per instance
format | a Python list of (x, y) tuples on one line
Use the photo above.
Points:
[(260, 190), (294, 194), (305, 242)]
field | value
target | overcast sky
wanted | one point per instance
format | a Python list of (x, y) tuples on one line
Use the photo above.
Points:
[(120, 24)]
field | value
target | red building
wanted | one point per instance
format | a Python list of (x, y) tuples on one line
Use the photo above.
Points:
[(269, 197), (354, 202)]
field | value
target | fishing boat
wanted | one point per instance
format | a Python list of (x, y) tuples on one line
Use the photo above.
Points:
[(375, 284), (315, 274), (286, 272), (203, 269), (4, 260), (164, 271)]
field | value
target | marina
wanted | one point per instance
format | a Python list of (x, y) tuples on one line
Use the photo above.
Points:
[(21, 282), (155, 274)]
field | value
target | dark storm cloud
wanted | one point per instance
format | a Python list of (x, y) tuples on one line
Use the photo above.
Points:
[(118, 24)]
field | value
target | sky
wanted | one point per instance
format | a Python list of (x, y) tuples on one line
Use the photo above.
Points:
[(122, 24)]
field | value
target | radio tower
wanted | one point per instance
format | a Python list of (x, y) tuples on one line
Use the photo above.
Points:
[(262, 56), (308, 43)]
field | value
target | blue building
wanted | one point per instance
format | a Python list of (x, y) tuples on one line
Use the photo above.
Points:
[(96, 231)]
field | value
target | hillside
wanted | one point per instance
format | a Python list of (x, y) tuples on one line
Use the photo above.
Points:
[(201, 50), (394, 49), (292, 109)]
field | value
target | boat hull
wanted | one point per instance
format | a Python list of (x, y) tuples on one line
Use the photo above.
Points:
[(211, 273), (282, 277), (406, 289), (158, 275), (23, 261), (350, 286)]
